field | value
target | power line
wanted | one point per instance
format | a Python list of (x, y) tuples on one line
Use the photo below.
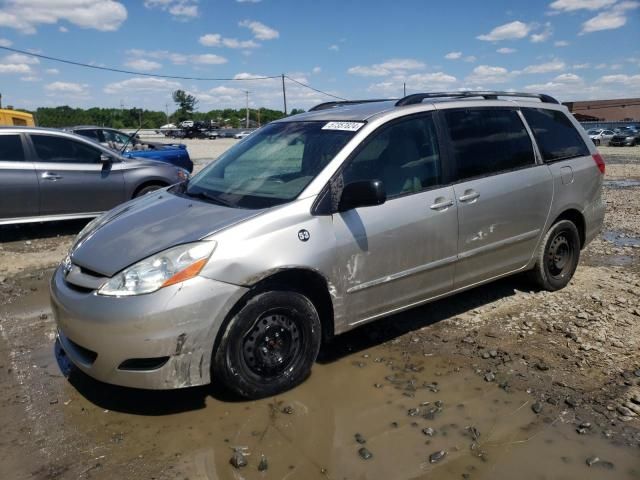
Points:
[(130, 72), (314, 89)]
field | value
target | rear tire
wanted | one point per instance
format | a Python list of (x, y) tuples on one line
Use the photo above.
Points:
[(269, 346), (557, 257)]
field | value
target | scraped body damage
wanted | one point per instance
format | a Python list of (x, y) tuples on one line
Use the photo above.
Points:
[(179, 322)]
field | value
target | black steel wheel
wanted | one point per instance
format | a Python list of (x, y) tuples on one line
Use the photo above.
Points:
[(558, 256), (269, 346)]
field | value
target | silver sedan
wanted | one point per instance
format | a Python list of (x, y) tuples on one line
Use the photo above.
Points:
[(48, 174)]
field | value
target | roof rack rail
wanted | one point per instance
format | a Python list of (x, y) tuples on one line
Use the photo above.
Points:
[(487, 95), (328, 105)]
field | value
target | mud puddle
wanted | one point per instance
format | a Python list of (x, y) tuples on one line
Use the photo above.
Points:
[(622, 183), (417, 415), (621, 239)]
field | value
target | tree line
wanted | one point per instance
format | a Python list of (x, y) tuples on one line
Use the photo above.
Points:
[(66, 116)]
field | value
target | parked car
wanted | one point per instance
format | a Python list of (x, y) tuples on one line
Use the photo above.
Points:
[(47, 174), (625, 137), (242, 134), (186, 124), (319, 223), (600, 136), (131, 146)]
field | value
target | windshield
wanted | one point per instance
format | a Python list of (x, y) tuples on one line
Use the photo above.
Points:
[(594, 132), (271, 166)]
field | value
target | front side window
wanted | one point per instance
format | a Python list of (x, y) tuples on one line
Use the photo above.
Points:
[(488, 141), (404, 156), (271, 166), (116, 137), (50, 148), (11, 148), (555, 135)]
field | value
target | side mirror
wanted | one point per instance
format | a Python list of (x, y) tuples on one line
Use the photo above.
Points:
[(365, 193), (104, 158)]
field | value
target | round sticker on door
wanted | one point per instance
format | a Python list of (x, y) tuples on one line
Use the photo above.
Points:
[(303, 235)]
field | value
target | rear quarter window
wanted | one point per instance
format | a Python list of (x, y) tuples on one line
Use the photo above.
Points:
[(555, 134), (11, 148)]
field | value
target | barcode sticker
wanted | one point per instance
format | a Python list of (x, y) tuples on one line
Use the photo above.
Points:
[(347, 126)]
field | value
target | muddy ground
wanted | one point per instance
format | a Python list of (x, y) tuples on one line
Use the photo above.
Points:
[(498, 382)]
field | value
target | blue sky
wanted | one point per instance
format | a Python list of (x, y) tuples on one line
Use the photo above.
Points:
[(573, 49)]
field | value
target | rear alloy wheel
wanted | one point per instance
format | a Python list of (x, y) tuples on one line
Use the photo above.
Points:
[(148, 189), (558, 256), (269, 346)]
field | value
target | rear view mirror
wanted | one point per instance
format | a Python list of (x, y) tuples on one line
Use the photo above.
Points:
[(362, 194)]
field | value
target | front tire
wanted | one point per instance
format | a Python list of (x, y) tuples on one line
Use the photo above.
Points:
[(269, 346), (148, 189), (557, 257)]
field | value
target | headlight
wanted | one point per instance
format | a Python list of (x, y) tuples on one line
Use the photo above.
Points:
[(166, 268), (183, 174), (628, 139)]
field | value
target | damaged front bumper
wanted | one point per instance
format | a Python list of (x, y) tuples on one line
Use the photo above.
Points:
[(161, 340)]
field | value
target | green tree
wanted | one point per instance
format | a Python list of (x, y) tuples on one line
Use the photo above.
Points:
[(187, 104)]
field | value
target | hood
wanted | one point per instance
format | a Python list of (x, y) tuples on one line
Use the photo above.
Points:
[(148, 225)]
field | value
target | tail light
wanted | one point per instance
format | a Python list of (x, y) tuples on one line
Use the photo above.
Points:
[(599, 162)]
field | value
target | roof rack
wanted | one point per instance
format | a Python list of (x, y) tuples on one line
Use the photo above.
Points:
[(487, 95), (328, 105)]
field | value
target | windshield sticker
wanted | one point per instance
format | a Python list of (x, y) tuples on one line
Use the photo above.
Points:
[(347, 126)]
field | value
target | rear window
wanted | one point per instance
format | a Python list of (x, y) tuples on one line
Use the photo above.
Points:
[(556, 136), (11, 148), (487, 141)]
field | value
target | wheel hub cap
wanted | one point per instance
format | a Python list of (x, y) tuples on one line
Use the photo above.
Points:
[(271, 344)]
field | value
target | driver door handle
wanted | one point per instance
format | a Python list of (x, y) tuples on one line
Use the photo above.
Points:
[(51, 176)]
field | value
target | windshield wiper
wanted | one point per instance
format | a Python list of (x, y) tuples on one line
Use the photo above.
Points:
[(208, 197)]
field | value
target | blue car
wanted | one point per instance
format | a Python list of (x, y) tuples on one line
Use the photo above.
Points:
[(173, 153)]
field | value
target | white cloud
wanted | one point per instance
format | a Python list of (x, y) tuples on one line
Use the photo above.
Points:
[(178, 58), (208, 59), (573, 5), (52, 71), (611, 19), (627, 80), (561, 43), (260, 30), (543, 36), (179, 9), (392, 66), (144, 85), (143, 65), (470, 59), (217, 40), (334, 47), (20, 58), (5, 43), (506, 50), (453, 55), (30, 78), (67, 88), (14, 68), (248, 1), (508, 31), (487, 74), (26, 15), (552, 66), (62, 29), (581, 66), (316, 70)]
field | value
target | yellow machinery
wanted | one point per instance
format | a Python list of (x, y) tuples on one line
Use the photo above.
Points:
[(16, 118)]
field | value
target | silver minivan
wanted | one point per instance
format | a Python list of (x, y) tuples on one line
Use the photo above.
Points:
[(321, 222)]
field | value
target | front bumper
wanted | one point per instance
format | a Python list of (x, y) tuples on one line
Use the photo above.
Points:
[(621, 143), (176, 325)]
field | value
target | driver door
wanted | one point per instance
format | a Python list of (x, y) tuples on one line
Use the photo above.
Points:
[(72, 178)]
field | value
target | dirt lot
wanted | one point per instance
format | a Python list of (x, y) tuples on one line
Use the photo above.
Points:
[(497, 382)]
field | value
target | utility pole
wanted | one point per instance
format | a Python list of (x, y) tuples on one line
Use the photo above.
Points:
[(247, 122), (166, 108), (284, 96), (404, 88), (140, 118)]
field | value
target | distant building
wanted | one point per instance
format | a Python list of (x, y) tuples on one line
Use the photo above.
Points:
[(618, 110)]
